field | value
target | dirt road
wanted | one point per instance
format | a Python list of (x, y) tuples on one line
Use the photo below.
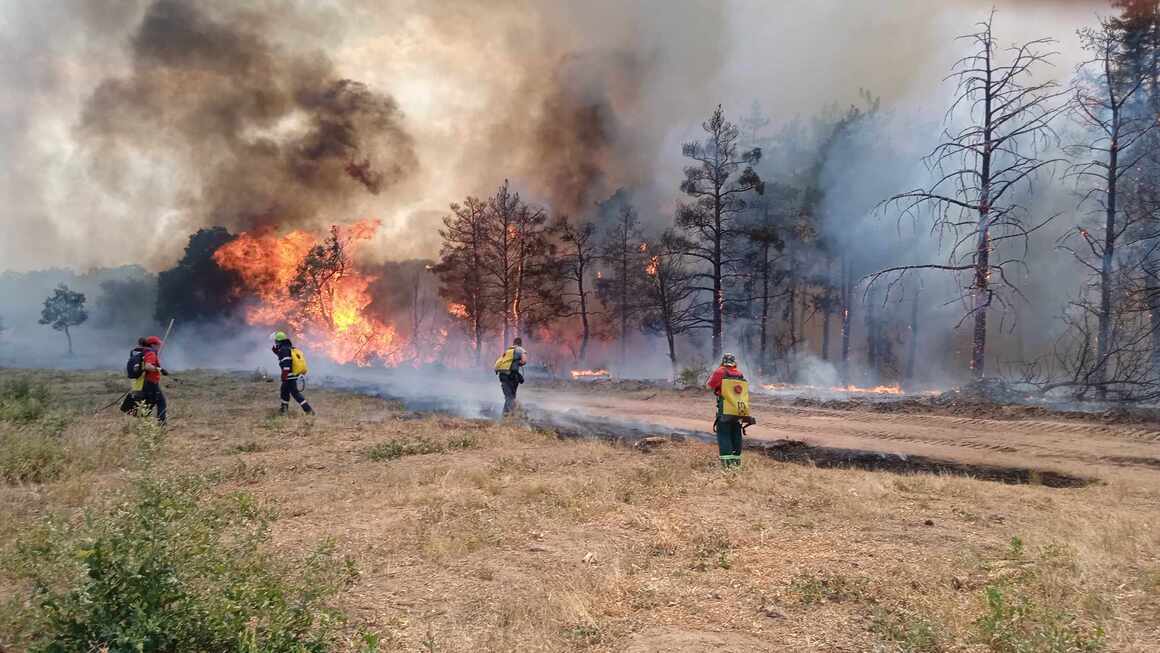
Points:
[(1128, 452)]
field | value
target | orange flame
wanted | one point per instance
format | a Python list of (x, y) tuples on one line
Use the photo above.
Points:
[(458, 310), (334, 319), (651, 268), (853, 389)]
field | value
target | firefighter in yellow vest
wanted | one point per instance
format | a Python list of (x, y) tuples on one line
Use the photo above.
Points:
[(732, 391), (507, 367), (293, 366)]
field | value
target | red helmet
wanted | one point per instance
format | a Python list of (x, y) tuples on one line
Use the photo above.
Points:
[(153, 341)]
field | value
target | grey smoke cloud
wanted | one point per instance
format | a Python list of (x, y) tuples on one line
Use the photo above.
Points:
[(142, 120)]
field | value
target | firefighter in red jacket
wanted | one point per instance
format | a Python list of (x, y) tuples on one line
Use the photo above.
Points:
[(728, 424), (146, 388)]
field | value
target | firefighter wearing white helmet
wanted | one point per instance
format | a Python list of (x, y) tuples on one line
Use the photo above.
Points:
[(293, 365), (732, 391)]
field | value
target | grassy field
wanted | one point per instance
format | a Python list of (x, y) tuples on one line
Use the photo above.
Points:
[(371, 528)]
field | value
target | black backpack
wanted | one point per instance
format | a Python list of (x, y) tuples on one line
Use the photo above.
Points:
[(136, 365)]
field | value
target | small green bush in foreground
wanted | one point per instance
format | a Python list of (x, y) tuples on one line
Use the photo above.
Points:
[(173, 568)]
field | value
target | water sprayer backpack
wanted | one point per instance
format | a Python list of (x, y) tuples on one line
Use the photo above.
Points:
[(135, 366), (505, 361), (735, 397), (298, 365)]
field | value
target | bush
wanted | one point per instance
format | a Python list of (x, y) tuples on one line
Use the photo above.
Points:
[(397, 448), (694, 375), (23, 401), (29, 457), (1015, 623), (910, 633), (171, 568)]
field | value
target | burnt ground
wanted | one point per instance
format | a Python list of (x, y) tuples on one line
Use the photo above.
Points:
[(1033, 442)]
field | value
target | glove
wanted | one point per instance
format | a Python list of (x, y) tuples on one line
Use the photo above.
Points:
[(285, 375), (164, 372)]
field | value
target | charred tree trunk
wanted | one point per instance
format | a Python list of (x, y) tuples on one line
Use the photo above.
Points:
[(791, 308), (718, 286), (983, 248), (827, 309), (1103, 344), (624, 306), (763, 365), (585, 329), (872, 339), (69, 337), (912, 346), (847, 291)]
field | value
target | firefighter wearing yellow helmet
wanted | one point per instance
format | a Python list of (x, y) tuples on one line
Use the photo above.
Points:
[(293, 365), (732, 391)]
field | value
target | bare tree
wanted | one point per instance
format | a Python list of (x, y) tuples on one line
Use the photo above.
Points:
[(718, 181), (979, 167), (1104, 94), (580, 253)]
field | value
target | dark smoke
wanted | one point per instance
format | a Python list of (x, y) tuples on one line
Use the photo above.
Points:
[(270, 135)]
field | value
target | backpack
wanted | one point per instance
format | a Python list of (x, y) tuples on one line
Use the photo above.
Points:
[(298, 365), (135, 367), (505, 361), (734, 397)]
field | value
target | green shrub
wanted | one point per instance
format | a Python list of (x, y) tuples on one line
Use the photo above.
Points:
[(1015, 623), (30, 457), (399, 447), (832, 588), (172, 568), (23, 400), (908, 632), (693, 376), (465, 441)]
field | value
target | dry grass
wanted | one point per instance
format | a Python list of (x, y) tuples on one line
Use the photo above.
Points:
[(505, 538)]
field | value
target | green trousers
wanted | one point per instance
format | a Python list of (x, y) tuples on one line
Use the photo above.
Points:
[(729, 441)]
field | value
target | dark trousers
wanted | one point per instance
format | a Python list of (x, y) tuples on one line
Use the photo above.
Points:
[(729, 440), (510, 384), (290, 389), (151, 395)]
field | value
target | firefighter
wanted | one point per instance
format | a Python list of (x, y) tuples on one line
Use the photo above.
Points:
[(293, 366), (507, 367), (732, 390), (146, 387)]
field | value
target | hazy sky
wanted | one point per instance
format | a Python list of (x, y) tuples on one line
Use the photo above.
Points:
[(568, 99)]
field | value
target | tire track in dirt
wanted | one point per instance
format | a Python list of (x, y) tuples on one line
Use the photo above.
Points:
[(1078, 445)]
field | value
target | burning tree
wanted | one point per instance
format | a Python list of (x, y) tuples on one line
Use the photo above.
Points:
[(579, 254), (64, 309), (624, 253), (1105, 105), (668, 293), (315, 281), (460, 267), (495, 265), (314, 289), (717, 182), (514, 264), (1138, 27), (981, 165)]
